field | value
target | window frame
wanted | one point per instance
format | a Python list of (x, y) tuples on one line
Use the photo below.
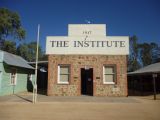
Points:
[(15, 81), (59, 74), (114, 74)]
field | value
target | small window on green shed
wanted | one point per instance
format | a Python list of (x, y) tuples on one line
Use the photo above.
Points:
[(13, 77)]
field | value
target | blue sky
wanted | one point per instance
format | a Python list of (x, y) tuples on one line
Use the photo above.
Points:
[(122, 17)]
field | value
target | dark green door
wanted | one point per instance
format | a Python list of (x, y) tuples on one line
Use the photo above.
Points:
[(87, 81)]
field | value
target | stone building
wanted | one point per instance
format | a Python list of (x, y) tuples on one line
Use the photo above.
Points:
[(87, 62)]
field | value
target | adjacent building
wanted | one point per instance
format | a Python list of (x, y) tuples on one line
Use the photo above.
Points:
[(145, 81), (87, 62), (16, 75)]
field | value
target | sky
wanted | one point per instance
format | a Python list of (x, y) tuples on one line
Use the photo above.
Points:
[(122, 17)]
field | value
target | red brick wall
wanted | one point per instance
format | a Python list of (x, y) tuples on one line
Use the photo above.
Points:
[(93, 61)]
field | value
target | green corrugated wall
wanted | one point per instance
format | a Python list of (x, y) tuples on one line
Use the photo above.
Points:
[(21, 85)]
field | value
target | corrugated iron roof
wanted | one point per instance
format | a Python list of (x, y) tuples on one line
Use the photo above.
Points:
[(15, 60), (153, 68)]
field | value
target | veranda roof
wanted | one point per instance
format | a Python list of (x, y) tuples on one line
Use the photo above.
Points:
[(15, 60), (150, 69)]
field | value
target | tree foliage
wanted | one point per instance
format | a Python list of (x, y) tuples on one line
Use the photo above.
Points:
[(28, 51), (22, 50), (147, 52), (156, 54), (10, 25), (9, 46), (133, 59), (142, 54)]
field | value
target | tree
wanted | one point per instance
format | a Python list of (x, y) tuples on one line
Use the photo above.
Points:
[(156, 55), (28, 51), (32, 47), (22, 50), (44, 57), (133, 58), (10, 25), (9, 46), (148, 52)]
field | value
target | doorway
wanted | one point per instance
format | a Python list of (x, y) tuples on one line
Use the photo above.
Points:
[(42, 78), (87, 81)]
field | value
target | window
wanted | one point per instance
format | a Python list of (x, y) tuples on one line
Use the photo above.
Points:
[(13, 77), (109, 75), (63, 74)]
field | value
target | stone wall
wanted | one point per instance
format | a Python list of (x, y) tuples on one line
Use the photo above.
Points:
[(93, 61)]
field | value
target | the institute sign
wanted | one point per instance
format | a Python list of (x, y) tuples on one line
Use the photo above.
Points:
[(87, 40)]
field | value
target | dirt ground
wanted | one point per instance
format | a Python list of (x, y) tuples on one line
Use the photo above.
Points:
[(144, 109)]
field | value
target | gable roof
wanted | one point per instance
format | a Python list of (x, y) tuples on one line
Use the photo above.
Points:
[(15, 60), (153, 68)]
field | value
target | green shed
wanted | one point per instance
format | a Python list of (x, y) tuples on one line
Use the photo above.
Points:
[(16, 75)]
